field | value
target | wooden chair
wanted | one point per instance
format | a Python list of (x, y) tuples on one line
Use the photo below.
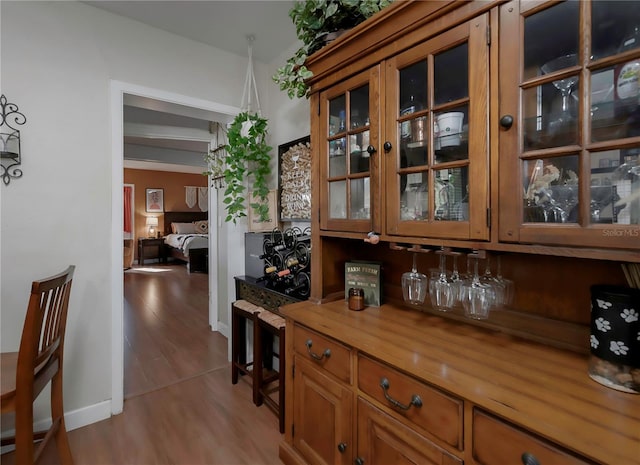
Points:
[(39, 360)]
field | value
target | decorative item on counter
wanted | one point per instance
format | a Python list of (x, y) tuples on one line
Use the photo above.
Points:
[(366, 276), (356, 299), (615, 337), (372, 238)]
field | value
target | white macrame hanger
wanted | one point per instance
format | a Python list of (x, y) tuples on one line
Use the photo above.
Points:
[(249, 82)]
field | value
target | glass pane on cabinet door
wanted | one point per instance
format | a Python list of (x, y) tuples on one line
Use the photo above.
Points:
[(550, 116), (359, 107), (451, 74), (550, 34), (358, 155), (337, 158), (337, 115), (615, 27), (451, 135), (360, 202), (551, 193), (603, 122), (413, 94), (414, 199), (338, 199), (451, 194), (615, 187)]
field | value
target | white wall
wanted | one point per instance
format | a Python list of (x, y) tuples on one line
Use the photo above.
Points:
[(58, 59)]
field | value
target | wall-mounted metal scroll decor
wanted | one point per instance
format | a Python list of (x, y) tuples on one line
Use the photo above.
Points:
[(10, 140)]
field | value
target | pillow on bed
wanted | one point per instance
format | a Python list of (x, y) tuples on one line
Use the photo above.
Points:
[(202, 227), (183, 228)]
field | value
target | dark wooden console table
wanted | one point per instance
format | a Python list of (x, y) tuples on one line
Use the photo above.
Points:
[(258, 293)]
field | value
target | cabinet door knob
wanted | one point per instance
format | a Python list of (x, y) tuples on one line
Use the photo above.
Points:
[(529, 459), (371, 150), (342, 447), (387, 147), (359, 461), (506, 121)]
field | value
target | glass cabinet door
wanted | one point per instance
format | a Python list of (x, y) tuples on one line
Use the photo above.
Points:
[(348, 171), (436, 135), (570, 168)]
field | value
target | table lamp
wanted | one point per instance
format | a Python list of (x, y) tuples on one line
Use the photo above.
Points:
[(152, 222)]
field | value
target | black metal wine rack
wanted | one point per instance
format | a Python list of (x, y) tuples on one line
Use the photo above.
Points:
[(287, 261)]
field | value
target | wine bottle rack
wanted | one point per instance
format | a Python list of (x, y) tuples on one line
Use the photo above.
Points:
[(287, 261)]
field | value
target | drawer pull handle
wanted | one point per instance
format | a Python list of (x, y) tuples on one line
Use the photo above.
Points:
[(416, 401), (529, 459), (342, 447), (359, 461), (325, 354)]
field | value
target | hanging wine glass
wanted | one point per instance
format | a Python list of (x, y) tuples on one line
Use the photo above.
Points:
[(507, 297), (477, 296), (440, 289), (456, 278), (414, 285), (564, 85), (490, 280)]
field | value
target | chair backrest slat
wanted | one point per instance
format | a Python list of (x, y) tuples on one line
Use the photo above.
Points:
[(43, 332)]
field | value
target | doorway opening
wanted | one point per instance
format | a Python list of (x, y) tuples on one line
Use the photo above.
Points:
[(223, 113)]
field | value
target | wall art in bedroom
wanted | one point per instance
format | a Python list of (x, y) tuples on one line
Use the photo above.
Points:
[(155, 200)]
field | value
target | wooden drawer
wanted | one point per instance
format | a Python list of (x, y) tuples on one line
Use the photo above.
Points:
[(440, 414), (327, 353), (496, 442)]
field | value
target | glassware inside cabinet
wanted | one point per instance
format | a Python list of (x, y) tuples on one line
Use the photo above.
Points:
[(337, 157), (551, 190), (615, 187), (360, 201), (337, 115), (414, 199), (451, 194), (412, 98), (338, 199), (359, 107), (550, 109)]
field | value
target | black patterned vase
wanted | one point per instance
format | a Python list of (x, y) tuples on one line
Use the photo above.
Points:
[(615, 337)]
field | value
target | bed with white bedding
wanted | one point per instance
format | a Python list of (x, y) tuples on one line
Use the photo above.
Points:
[(186, 238)]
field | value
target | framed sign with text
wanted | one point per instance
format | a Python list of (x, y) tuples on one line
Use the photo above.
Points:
[(294, 176)]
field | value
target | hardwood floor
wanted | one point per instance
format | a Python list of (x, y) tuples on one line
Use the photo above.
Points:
[(180, 406)]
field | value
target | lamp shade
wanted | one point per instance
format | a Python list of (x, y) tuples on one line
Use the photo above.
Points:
[(152, 221)]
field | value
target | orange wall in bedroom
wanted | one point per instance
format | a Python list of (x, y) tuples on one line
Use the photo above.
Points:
[(174, 193)]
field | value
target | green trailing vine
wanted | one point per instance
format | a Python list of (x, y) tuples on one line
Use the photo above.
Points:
[(314, 21), (248, 157)]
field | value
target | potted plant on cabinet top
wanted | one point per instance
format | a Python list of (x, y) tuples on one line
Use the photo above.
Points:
[(317, 23)]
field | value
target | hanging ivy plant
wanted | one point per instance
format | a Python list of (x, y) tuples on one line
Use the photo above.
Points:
[(248, 157)]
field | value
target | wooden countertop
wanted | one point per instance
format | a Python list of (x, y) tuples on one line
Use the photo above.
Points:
[(544, 389)]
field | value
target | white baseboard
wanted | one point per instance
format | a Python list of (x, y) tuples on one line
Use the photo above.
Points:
[(87, 415), (73, 420), (223, 329)]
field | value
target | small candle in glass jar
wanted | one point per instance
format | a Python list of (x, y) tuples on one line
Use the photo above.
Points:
[(356, 299)]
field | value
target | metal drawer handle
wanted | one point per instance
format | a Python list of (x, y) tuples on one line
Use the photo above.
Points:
[(325, 354), (529, 459), (416, 401)]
